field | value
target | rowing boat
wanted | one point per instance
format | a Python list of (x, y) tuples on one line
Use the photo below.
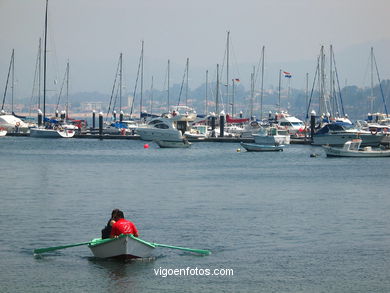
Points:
[(126, 246), (254, 147)]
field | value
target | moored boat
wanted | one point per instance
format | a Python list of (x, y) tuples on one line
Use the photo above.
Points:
[(254, 147), (352, 149), (126, 246), (184, 143), (59, 132), (271, 136)]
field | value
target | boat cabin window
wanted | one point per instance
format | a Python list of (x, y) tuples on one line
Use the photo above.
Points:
[(161, 126), (297, 123), (154, 122), (285, 123)]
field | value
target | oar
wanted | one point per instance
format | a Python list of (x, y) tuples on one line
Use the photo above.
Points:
[(200, 251), (47, 249), (92, 242)]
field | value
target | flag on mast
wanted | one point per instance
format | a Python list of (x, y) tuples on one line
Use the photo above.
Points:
[(287, 74)]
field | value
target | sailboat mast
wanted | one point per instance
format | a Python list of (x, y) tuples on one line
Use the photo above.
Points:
[(120, 82), (168, 86), (217, 93), (142, 79), (207, 85), (151, 97), (233, 94), (13, 81), (307, 90), (39, 71), (67, 91), (331, 84), (6, 84), (44, 65), (262, 83), (372, 81), (187, 65), (227, 69), (252, 91), (280, 81)]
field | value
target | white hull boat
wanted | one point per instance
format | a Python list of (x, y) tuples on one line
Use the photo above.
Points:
[(254, 147), (270, 136), (51, 133), (126, 246), (160, 129), (3, 132), (173, 144), (13, 124), (337, 134), (352, 149)]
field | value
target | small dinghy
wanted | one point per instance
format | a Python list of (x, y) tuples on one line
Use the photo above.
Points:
[(126, 246), (173, 144), (352, 149), (123, 246), (254, 147)]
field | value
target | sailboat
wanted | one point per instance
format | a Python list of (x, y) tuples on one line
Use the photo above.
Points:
[(10, 122), (50, 128)]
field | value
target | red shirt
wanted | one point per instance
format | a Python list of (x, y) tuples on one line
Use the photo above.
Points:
[(123, 226)]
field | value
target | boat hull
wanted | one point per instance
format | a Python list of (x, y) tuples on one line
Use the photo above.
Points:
[(150, 134), (123, 246), (51, 133), (173, 144), (339, 152), (271, 139), (339, 139), (253, 147)]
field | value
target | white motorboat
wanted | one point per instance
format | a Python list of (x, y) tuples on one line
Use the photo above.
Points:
[(254, 147), (271, 136), (160, 129), (56, 132), (352, 149), (126, 246), (338, 133), (293, 125), (173, 144), (13, 124), (198, 132)]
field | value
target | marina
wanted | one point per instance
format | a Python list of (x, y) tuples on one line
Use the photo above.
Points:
[(303, 227), (194, 146)]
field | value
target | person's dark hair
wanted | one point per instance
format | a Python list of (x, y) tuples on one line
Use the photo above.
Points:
[(114, 213), (120, 215)]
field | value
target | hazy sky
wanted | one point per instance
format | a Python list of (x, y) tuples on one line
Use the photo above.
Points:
[(92, 33)]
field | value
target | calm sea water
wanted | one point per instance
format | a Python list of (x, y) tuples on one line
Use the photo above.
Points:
[(283, 222)]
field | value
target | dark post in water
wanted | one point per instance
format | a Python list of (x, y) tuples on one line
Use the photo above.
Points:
[(221, 125), (312, 124), (39, 118), (101, 124), (93, 119), (121, 116), (213, 118)]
